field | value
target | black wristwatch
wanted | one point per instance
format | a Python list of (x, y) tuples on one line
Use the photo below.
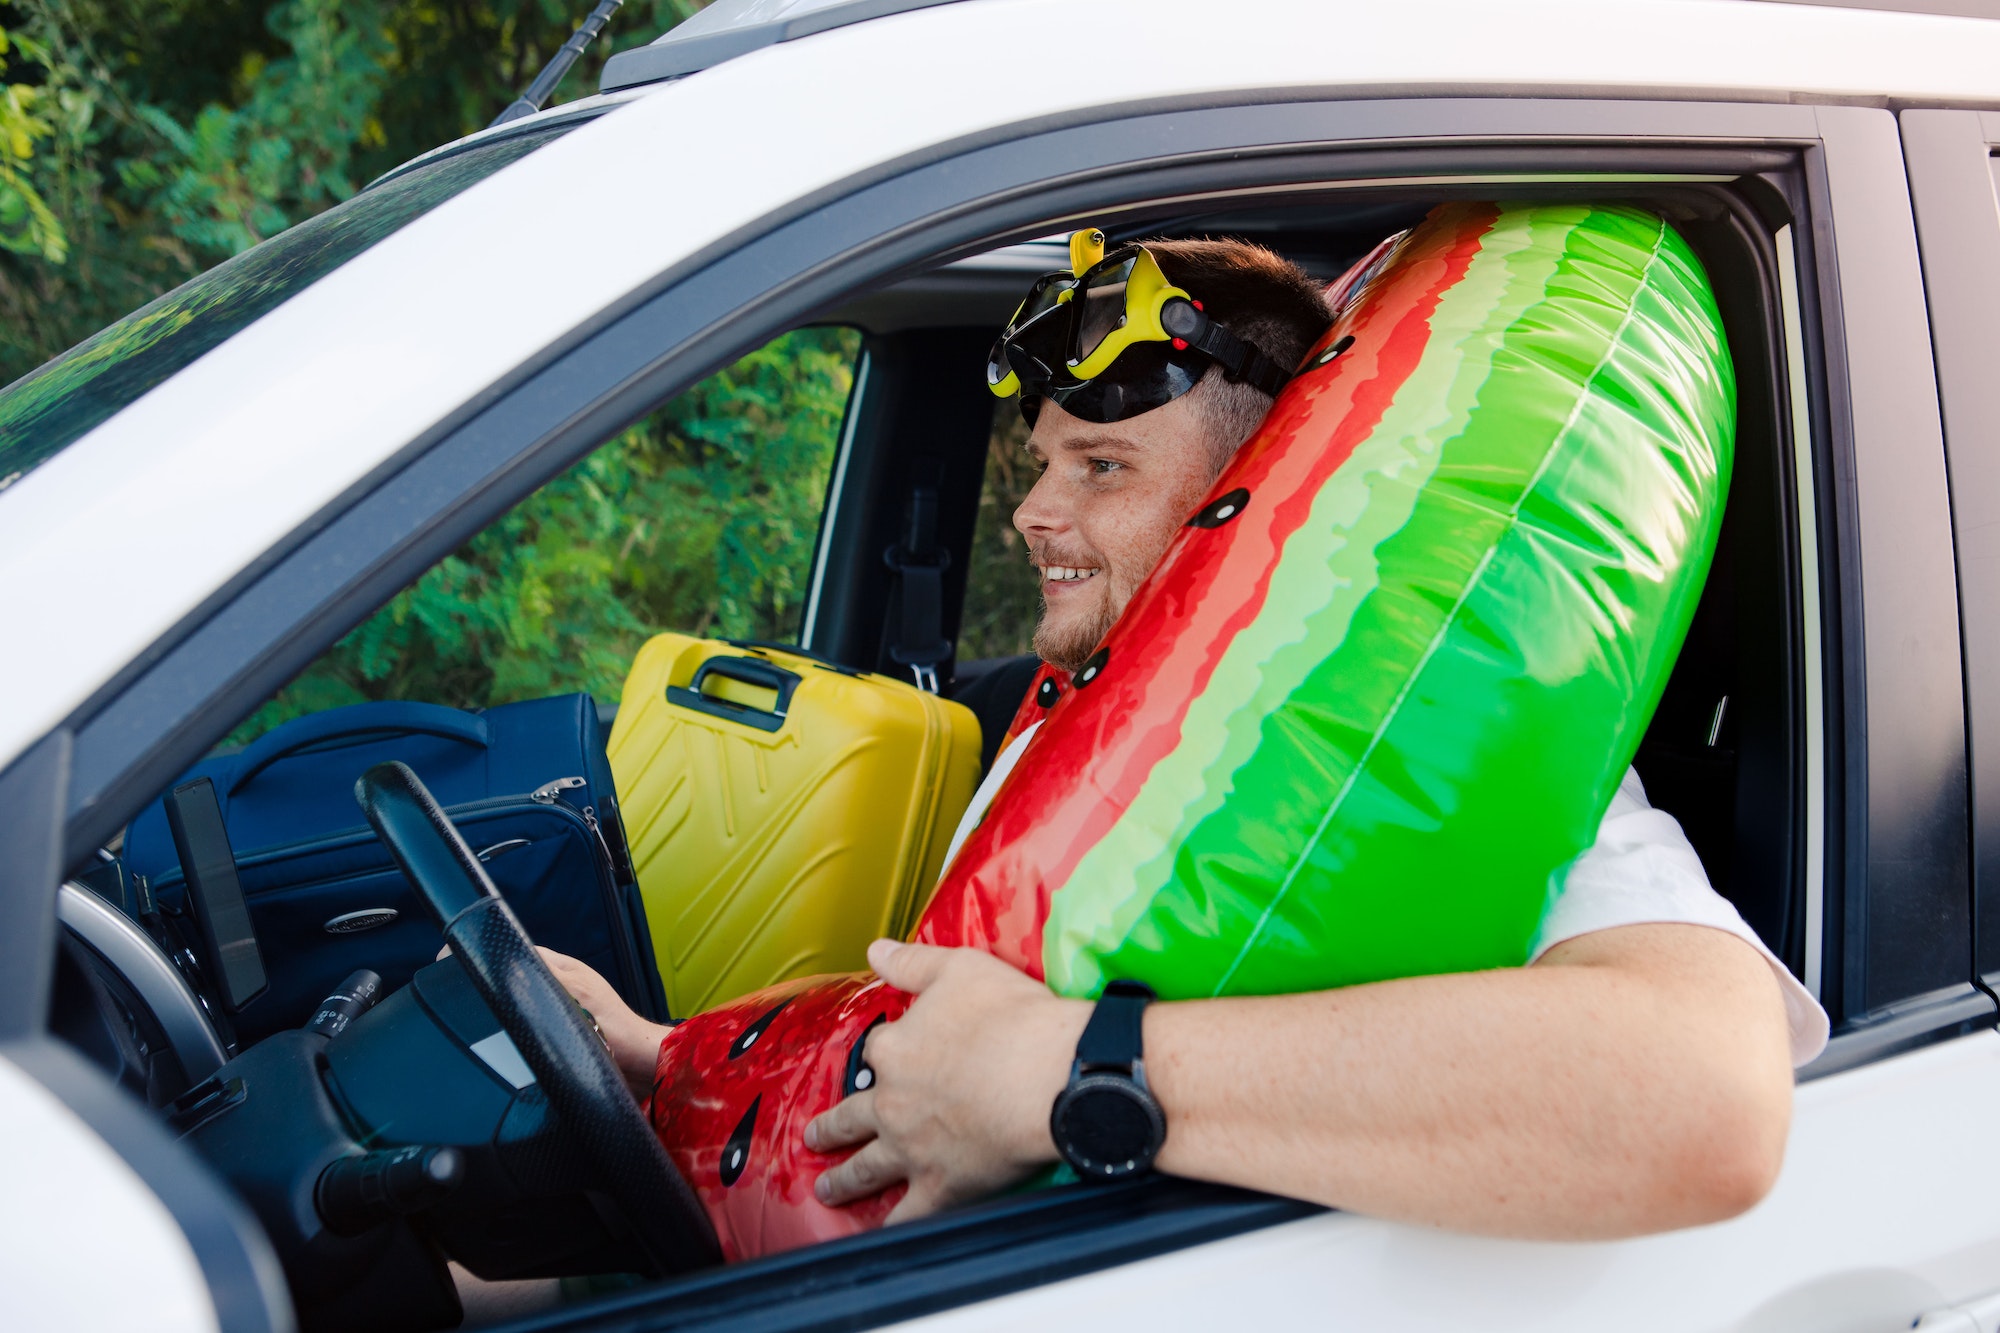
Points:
[(1106, 1123)]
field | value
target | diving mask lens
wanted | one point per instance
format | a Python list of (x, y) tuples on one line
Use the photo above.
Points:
[(1034, 331), (1103, 305)]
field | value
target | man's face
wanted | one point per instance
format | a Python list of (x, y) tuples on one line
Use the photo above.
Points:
[(1109, 500)]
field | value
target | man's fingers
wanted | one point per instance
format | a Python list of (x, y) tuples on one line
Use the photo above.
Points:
[(851, 1122), (907, 967), (870, 1171)]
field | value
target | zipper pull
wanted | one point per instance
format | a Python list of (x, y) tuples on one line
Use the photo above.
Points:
[(546, 793), (603, 843)]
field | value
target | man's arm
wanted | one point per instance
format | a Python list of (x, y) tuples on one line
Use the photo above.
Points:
[(1633, 1080)]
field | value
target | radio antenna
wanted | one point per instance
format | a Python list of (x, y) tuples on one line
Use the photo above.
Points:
[(529, 102)]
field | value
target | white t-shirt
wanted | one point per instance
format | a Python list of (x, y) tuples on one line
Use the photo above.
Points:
[(1640, 871)]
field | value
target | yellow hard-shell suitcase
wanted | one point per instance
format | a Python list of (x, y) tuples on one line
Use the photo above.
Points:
[(782, 812)]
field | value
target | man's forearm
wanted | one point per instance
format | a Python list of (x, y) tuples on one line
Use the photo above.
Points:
[(1613, 1089)]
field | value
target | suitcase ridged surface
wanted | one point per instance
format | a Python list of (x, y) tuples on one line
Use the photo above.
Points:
[(771, 848)]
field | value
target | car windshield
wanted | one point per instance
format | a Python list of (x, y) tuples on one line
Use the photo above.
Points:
[(45, 411)]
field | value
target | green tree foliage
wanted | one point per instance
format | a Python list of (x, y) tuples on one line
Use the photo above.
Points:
[(702, 518), (27, 224), (142, 141)]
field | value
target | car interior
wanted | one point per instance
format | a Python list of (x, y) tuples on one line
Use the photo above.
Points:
[(197, 973)]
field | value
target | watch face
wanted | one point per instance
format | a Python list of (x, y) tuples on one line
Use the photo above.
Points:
[(1106, 1126)]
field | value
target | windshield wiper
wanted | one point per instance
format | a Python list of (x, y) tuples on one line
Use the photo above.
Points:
[(529, 102)]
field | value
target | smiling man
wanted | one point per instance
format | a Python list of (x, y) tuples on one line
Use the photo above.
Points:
[(1634, 1077), (1113, 493)]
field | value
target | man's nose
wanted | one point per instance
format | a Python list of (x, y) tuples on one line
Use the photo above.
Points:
[(1043, 513)]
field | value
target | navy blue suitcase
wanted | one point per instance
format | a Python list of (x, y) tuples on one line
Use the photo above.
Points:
[(526, 783)]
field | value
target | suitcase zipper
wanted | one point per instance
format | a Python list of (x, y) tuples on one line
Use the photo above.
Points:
[(548, 791), (611, 884), (603, 843)]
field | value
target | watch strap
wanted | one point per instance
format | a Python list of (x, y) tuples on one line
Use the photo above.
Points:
[(1114, 1036)]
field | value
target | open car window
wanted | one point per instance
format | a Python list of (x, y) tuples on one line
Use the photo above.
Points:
[(44, 412)]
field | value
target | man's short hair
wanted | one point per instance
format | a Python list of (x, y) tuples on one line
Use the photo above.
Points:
[(1261, 297)]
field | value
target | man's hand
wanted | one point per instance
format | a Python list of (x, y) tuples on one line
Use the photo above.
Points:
[(634, 1043), (964, 1082)]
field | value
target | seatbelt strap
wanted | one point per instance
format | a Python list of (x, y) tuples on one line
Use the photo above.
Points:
[(917, 600)]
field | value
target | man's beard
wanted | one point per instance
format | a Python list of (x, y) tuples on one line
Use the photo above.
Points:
[(1070, 646)]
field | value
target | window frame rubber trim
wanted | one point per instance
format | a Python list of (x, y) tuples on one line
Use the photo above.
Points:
[(1812, 681), (836, 492)]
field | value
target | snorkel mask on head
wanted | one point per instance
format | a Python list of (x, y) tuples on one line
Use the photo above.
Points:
[(1110, 337)]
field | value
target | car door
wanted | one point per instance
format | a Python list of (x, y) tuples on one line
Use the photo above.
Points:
[(1880, 1216)]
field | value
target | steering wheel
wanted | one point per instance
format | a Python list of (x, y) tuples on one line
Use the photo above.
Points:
[(589, 1097)]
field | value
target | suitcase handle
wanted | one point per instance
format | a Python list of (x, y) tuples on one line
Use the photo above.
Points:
[(357, 721), (750, 671)]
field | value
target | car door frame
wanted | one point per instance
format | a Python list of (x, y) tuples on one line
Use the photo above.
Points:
[(1887, 862)]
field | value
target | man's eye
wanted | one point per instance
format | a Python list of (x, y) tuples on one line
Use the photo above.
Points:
[(1103, 467)]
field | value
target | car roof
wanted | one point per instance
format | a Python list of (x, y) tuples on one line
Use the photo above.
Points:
[(108, 546), (730, 28)]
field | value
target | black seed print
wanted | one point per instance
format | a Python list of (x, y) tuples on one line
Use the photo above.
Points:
[(736, 1152), (860, 1077), (1339, 345), (748, 1037), (1221, 509)]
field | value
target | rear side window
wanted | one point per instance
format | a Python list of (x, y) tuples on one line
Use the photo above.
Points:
[(1003, 595), (702, 517), (45, 411)]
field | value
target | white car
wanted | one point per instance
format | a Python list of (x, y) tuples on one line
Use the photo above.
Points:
[(199, 502)]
